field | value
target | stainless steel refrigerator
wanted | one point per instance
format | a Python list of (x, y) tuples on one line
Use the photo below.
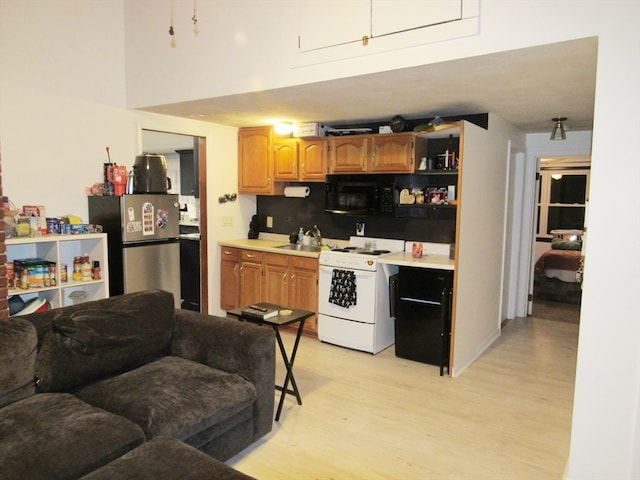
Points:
[(143, 237)]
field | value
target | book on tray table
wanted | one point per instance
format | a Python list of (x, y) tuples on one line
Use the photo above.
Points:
[(261, 311)]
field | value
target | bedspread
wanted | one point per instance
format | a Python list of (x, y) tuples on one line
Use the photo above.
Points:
[(552, 262)]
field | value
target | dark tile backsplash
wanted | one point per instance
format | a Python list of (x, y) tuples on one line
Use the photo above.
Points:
[(289, 214)]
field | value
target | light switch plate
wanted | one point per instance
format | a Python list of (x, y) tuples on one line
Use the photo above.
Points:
[(227, 221), (360, 229), (269, 221)]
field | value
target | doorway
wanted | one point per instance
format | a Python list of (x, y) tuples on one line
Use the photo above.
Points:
[(186, 164), (561, 202)]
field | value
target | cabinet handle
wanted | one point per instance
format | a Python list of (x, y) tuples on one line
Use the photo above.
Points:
[(249, 255)]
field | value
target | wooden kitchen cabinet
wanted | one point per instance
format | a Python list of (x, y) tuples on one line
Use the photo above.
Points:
[(276, 279), (292, 281), (229, 278), (300, 160), (395, 153), (285, 159), (251, 267), (250, 276), (348, 154), (303, 288), (313, 159), (383, 153), (255, 162)]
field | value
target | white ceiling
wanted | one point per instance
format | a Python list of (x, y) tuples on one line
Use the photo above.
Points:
[(525, 87)]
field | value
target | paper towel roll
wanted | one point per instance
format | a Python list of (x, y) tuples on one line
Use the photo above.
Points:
[(300, 192)]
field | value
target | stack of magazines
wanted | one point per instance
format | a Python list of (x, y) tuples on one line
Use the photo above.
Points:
[(261, 311)]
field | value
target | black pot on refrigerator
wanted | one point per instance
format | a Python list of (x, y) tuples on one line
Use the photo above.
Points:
[(150, 174)]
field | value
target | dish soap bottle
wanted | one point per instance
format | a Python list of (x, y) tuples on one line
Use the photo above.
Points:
[(300, 236)]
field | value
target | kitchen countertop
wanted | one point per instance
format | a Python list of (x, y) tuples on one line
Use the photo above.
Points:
[(430, 260), (266, 245)]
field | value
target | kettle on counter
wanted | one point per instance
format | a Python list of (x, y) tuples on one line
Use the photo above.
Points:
[(150, 174)]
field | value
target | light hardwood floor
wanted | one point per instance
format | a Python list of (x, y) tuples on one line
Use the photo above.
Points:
[(371, 417)]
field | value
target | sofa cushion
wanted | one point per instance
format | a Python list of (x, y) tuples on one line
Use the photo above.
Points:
[(84, 345), (166, 458), (18, 349), (172, 396), (56, 435)]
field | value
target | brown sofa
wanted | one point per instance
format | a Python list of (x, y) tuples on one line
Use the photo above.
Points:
[(83, 385)]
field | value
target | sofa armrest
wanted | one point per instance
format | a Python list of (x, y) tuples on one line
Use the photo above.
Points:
[(232, 346)]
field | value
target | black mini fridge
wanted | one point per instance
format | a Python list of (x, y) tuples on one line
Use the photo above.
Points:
[(423, 315)]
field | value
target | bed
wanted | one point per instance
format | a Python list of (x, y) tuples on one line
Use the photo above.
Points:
[(558, 271)]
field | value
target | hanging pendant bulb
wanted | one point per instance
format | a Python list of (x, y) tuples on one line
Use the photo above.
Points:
[(558, 132), (194, 19), (171, 30)]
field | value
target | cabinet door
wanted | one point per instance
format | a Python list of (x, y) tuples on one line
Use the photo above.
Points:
[(313, 159), (348, 154), (250, 277), (254, 160), (276, 279), (391, 17), (230, 278), (189, 175), (392, 153), (285, 159), (349, 21), (303, 291)]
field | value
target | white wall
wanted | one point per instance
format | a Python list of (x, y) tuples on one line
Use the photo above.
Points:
[(62, 104)]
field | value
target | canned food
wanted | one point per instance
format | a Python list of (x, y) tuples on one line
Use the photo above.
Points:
[(63, 273)]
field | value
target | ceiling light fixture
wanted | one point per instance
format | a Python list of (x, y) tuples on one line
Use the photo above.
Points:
[(558, 132), (283, 128)]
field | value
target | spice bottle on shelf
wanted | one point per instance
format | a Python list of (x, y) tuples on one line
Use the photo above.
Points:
[(86, 268), (96, 273), (77, 269)]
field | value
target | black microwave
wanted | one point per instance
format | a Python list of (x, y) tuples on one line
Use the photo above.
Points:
[(360, 194)]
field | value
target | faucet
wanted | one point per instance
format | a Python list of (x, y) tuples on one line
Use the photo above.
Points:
[(315, 233)]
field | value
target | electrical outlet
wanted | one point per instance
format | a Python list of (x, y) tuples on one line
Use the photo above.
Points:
[(227, 221), (360, 229), (269, 221)]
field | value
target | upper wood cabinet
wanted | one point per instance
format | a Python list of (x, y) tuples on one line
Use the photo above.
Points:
[(285, 159), (395, 153), (255, 162), (348, 154), (313, 159), (300, 160), (386, 153)]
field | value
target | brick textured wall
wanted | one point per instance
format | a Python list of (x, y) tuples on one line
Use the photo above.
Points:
[(4, 291)]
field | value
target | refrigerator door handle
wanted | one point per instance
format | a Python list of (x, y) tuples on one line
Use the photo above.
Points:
[(419, 300), (393, 295)]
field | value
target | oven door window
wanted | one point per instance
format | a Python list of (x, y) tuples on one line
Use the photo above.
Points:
[(364, 308)]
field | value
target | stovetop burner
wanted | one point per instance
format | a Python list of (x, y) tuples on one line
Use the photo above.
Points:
[(373, 252), (361, 251)]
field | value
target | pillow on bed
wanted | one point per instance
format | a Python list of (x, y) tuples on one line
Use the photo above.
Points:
[(560, 244)]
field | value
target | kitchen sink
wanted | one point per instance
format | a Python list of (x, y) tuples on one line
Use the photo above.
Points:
[(300, 248)]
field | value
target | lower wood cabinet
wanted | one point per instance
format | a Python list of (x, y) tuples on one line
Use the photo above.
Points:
[(250, 276), (229, 278)]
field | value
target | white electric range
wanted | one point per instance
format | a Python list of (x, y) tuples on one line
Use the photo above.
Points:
[(353, 294)]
